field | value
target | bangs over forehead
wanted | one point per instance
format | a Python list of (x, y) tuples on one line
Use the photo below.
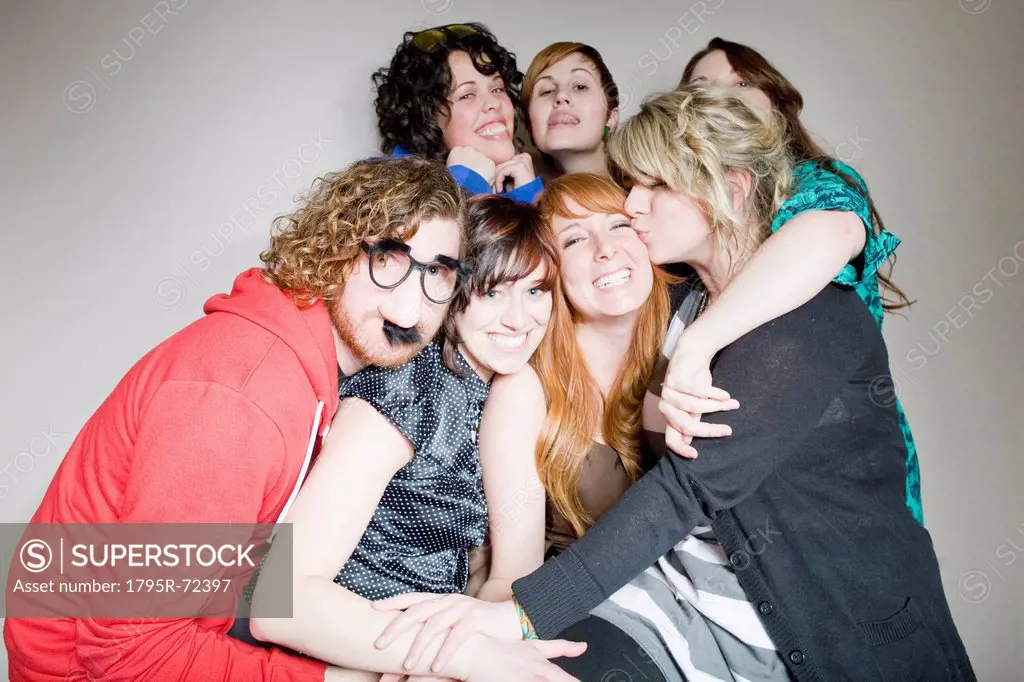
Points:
[(519, 263), (648, 150), (508, 242), (593, 193)]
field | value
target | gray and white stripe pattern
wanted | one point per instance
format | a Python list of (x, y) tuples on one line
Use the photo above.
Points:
[(688, 611), (690, 614)]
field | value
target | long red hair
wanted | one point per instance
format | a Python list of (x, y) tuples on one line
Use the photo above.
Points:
[(576, 407)]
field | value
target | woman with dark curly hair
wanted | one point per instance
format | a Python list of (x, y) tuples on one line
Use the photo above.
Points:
[(451, 94)]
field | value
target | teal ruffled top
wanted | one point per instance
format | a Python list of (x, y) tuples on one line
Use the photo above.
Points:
[(820, 188)]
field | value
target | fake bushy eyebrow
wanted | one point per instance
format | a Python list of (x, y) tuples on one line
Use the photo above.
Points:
[(389, 244), (448, 261)]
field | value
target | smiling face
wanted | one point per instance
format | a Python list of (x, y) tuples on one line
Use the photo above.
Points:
[(480, 113), (605, 269), (671, 224), (387, 327), (501, 329), (568, 108), (714, 69)]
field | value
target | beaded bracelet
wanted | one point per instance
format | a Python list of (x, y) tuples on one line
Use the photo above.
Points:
[(524, 622)]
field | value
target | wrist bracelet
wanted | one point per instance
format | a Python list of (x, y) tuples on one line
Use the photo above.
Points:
[(524, 621)]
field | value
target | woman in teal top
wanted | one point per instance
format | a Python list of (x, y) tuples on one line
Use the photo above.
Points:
[(833, 233), (818, 188)]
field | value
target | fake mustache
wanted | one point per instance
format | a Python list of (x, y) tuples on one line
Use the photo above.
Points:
[(401, 336)]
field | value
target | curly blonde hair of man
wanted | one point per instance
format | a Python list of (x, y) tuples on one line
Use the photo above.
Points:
[(312, 250), (690, 139)]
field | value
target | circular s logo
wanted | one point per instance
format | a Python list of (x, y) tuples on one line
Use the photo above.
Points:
[(36, 556), (884, 390), (169, 292), (975, 6), (79, 97), (437, 7), (974, 587)]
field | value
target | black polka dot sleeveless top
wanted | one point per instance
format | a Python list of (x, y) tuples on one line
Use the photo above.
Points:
[(433, 511)]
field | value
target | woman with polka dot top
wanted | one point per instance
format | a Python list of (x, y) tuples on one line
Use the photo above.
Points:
[(400, 492)]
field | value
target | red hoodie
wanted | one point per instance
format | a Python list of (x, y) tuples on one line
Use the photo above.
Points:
[(216, 424)]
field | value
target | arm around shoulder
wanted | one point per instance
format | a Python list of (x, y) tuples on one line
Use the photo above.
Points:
[(785, 375), (788, 270)]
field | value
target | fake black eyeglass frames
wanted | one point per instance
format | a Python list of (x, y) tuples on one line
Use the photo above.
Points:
[(391, 264)]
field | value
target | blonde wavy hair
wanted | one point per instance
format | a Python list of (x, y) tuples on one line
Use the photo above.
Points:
[(753, 67), (576, 407), (691, 139), (312, 249)]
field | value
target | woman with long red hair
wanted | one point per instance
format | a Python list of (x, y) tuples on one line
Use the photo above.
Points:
[(598, 356), (575, 413)]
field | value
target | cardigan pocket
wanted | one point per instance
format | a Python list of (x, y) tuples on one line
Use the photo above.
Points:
[(903, 648)]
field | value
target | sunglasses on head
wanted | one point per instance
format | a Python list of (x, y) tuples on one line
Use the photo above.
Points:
[(431, 39)]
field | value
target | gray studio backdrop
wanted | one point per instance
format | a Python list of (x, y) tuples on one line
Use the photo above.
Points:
[(145, 147)]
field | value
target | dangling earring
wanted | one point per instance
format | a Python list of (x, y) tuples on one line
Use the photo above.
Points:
[(607, 132)]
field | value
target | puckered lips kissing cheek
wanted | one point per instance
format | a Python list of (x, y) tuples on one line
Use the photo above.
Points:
[(638, 226)]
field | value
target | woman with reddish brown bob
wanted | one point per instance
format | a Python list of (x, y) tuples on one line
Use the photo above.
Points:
[(573, 107)]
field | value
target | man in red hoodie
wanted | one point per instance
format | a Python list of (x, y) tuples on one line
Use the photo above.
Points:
[(219, 423)]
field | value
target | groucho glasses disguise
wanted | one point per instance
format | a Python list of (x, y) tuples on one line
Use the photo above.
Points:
[(391, 264), (428, 40)]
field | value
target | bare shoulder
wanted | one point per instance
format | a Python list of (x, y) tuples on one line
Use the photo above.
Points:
[(358, 425), (523, 385), (515, 401), (513, 418)]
